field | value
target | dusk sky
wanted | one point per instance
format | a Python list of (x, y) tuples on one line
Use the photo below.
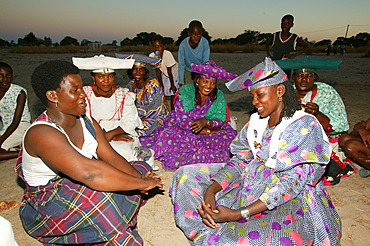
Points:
[(107, 20)]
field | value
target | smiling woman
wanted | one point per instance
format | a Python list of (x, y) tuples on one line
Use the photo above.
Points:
[(72, 170), (197, 130), (114, 107), (271, 191)]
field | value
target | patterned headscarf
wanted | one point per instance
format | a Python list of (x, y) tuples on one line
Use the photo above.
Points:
[(266, 73), (141, 60), (210, 69)]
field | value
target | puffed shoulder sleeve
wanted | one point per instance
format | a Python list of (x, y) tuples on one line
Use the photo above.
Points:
[(302, 142)]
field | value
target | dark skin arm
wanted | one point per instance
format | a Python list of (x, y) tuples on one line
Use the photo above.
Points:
[(198, 125), (211, 214), (170, 76), (363, 129), (159, 77), (118, 134), (114, 175), (109, 155), (267, 46), (21, 102)]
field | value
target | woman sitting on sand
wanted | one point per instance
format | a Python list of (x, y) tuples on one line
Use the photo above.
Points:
[(270, 192), (324, 102), (196, 131), (78, 189), (113, 107), (150, 100), (14, 114)]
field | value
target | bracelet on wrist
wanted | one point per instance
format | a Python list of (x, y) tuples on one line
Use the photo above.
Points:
[(208, 123), (245, 212)]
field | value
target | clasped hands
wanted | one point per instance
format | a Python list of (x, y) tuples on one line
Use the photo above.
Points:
[(153, 180), (198, 125), (211, 214)]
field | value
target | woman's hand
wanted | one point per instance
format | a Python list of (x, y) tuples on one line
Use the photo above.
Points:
[(197, 125), (365, 136), (153, 176), (173, 89), (152, 180), (208, 205), (210, 216), (311, 108), (123, 137)]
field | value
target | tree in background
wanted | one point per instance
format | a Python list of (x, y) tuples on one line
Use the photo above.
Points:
[(47, 41), (68, 40), (324, 42), (144, 38), (28, 40), (4, 43)]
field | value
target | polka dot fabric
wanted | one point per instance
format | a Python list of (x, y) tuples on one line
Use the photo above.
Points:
[(300, 211)]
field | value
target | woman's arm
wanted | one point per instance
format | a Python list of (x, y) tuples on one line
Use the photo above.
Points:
[(172, 82), (106, 153), (21, 102), (159, 77), (56, 150)]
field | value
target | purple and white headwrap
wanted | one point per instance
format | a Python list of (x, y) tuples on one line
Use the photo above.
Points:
[(266, 73), (210, 69), (141, 60)]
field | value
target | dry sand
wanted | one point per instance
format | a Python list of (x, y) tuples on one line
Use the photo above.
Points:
[(156, 224)]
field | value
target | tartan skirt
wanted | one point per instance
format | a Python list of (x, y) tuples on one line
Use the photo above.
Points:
[(67, 212)]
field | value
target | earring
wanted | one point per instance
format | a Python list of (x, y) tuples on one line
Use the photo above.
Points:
[(280, 99), (56, 104), (197, 84)]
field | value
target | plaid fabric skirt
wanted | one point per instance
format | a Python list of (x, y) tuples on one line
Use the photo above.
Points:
[(67, 212)]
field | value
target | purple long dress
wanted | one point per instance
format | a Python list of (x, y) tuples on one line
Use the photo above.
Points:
[(176, 145)]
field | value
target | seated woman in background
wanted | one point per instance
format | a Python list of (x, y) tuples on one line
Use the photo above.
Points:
[(15, 117), (150, 100), (78, 189), (113, 107), (197, 130), (270, 192), (357, 145), (324, 102)]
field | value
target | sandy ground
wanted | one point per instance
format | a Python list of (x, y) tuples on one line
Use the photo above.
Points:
[(156, 224)]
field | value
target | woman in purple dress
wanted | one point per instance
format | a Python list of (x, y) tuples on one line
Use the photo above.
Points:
[(197, 130)]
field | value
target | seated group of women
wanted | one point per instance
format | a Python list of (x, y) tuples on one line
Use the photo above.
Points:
[(86, 192)]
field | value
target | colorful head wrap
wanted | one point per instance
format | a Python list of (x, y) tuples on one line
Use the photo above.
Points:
[(266, 73), (210, 69), (102, 64), (141, 60), (308, 64)]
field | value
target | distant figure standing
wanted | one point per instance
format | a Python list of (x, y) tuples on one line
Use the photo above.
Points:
[(167, 72), (328, 49), (284, 42), (193, 49), (342, 50)]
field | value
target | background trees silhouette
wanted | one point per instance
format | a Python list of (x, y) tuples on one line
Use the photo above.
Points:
[(144, 39)]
